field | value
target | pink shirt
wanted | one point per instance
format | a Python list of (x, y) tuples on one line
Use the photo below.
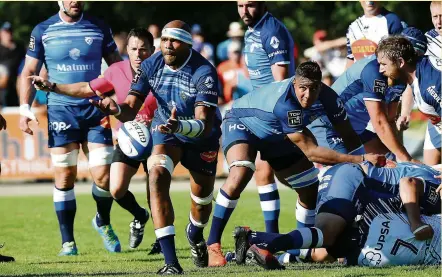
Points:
[(118, 77)]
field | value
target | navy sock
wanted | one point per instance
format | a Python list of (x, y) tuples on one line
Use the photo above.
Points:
[(302, 238), (129, 203), (166, 238), (270, 205), (104, 201), (65, 207), (195, 230), (223, 210)]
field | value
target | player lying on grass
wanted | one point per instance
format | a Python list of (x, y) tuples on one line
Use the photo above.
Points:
[(345, 192)]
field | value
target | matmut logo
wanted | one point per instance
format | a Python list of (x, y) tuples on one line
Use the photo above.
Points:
[(75, 67)]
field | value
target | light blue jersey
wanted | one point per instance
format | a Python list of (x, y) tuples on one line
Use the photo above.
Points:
[(273, 111), (363, 82), (71, 52), (266, 44)]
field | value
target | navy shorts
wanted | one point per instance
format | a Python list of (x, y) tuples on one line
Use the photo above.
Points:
[(200, 157), (279, 155), (84, 123)]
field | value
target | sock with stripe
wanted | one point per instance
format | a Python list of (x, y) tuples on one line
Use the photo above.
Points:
[(166, 238), (270, 205), (104, 200), (223, 210), (302, 238), (65, 207)]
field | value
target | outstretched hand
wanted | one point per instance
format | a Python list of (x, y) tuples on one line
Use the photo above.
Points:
[(41, 83), (106, 105), (171, 125)]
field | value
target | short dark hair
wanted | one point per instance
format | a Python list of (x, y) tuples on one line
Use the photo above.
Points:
[(397, 46), (142, 33), (309, 70)]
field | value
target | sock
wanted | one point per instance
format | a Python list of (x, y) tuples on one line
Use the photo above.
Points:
[(166, 238), (65, 207), (130, 204), (223, 210), (195, 230), (262, 237), (270, 205), (295, 256), (104, 201), (304, 217), (302, 238)]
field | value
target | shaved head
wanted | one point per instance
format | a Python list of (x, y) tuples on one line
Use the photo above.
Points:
[(178, 24)]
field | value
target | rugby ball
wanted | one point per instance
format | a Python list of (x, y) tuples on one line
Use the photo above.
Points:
[(134, 140)]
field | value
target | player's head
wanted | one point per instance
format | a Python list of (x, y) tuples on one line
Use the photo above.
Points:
[(176, 42), (139, 46), (251, 11), (417, 38), (395, 54), (436, 15), (307, 83), (73, 9), (371, 8)]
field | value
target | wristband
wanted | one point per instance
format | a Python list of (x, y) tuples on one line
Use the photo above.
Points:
[(119, 110), (25, 110), (190, 128), (53, 87)]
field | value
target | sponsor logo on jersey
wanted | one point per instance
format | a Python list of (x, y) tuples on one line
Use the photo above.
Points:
[(32, 43), (234, 126), (294, 118), (74, 53), (209, 82), (432, 196), (75, 67), (384, 231), (432, 91), (209, 156), (89, 40), (58, 126), (379, 86), (278, 52), (274, 42), (371, 258)]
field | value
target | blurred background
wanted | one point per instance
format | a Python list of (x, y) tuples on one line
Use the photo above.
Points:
[(218, 34)]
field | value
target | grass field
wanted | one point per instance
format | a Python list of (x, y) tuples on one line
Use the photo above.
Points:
[(29, 227)]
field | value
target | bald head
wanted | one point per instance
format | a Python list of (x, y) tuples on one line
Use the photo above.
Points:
[(178, 24), (436, 15)]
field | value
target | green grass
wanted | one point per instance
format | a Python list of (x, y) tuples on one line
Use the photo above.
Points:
[(29, 227)]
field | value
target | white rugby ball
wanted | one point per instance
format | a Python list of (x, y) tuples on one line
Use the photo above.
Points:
[(134, 140)]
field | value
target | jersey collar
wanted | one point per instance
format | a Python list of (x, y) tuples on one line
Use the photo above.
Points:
[(259, 22), (69, 23), (184, 64)]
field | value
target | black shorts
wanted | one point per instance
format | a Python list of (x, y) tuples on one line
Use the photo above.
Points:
[(120, 157)]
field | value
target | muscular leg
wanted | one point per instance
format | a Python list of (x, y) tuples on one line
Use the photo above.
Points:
[(161, 205), (64, 160), (268, 191)]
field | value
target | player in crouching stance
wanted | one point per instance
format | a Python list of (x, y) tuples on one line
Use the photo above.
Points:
[(346, 192), (273, 120), (185, 128)]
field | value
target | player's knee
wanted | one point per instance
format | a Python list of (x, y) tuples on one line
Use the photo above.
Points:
[(100, 156), (331, 226), (303, 179), (65, 160), (117, 191), (160, 165), (201, 202)]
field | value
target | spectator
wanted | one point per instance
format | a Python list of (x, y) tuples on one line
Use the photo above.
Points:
[(4, 74), (199, 44), (235, 33), (121, 42), (328, 54), (155, 31), (11, 55), (366, 31), (233, 75)]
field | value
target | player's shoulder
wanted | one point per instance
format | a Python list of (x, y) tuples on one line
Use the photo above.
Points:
[(432, 33), (371, 69), (153, 64), (270, 26), (42, 26), (87, 18), (200, 65), (390, 16)]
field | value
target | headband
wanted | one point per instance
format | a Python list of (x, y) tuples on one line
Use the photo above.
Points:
[(178, 34)]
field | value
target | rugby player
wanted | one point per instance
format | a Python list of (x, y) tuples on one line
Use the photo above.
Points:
[(118, 78), (271, 120), (185, 128), (269, 56), (71, 44)]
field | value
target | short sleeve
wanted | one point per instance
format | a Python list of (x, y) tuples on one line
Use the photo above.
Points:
[(289, 114), (103, 83), (207, 85), (140, 82), (278, 44), (35, 47), (374, 83)]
